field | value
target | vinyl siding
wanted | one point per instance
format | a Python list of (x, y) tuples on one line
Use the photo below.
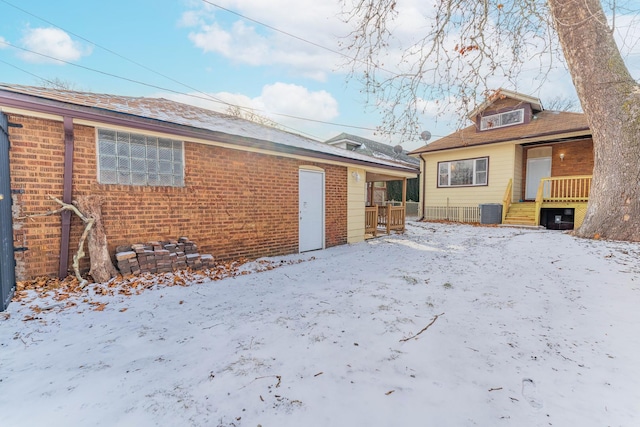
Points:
[(501, 169), (356, 201)]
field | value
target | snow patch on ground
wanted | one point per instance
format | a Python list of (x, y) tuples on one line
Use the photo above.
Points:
[(526, 328)]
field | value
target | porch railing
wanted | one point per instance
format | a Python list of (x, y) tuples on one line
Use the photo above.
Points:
[(391, 218), (566, 189), (506, 199), (371, 220), (562, 189)]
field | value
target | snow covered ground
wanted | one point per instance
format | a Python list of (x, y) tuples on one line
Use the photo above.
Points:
[(527, 328)]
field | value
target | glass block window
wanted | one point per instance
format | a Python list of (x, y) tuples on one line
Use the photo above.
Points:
[(135, 159)]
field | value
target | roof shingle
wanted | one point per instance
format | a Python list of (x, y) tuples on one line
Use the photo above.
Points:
[(544, 123)]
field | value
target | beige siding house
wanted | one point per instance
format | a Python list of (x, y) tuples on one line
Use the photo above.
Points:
[(530, 165)]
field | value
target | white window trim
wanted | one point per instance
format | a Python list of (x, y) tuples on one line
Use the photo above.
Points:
[(485, 119), (474, 184)]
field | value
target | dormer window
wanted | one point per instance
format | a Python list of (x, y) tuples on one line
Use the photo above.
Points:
[(508, 118)]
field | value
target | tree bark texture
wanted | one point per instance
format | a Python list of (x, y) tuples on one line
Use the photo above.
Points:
[(610, 98), (102, 268)]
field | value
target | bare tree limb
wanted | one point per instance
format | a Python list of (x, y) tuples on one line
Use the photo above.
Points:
[(88, 221), (423, 329)]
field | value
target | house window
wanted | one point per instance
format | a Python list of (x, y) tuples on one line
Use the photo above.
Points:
[(462, 173), (135, 159), (500, 120)]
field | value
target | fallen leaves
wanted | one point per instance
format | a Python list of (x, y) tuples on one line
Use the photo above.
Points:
[(67, 292), (98, 306)]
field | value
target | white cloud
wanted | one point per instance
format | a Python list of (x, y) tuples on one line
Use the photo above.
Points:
[(299, 101), (247, 42), (282, 98), (3, 43), (52, 42)]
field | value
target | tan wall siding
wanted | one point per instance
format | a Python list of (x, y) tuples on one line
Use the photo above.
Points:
[(356, 201), (501, 169), (518, 178), (234, 204)]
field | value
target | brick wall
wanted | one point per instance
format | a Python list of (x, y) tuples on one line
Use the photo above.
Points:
[(234, 203), (578, 159)]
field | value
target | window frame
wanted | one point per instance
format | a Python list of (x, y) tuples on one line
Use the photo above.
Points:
[(485, 119), (117, 150), (474, 173)]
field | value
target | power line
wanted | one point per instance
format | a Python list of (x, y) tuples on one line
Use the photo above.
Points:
[(25, 71), (206, 96), (164, 88), (213, 98), (302, 39)]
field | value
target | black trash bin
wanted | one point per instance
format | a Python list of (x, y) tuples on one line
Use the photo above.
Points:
[(491, 213)]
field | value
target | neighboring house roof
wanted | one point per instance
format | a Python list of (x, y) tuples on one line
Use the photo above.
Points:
[(183, 118), (376, 149), (547, 125)]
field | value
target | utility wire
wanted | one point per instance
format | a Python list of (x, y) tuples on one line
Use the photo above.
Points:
[(25, 71), (131, 60), (302, 39), (162, 88), (206, 96)]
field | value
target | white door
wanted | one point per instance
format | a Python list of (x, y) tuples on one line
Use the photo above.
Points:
[(536, 170), (311, 208)]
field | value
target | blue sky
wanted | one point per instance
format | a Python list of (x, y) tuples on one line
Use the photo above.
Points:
[(192, 47)]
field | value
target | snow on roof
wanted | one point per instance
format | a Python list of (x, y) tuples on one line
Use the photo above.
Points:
[(376, 149), (189, 115)]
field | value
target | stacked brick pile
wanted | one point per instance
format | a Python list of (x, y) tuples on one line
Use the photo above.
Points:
[(161, 257), (127, 262)]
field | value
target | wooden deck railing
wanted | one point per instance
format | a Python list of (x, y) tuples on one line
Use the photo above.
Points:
[(391, 218), (506, 199), (566, 188), (394, 218), (371, 220), (562, 189)]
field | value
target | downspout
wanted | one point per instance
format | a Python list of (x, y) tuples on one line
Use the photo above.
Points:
[(67, 196), (423, 168)]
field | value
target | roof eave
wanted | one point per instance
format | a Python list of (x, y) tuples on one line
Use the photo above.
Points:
[(581, 131), (109, 117), (536, 103)]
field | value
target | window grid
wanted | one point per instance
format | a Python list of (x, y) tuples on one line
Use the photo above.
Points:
[(134, 159), (499, 120), (463, 173)]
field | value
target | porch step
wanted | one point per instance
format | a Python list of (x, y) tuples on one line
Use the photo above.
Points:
[(523, 213)]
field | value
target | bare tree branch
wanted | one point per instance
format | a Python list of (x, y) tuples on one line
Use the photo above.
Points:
[(88, 224)]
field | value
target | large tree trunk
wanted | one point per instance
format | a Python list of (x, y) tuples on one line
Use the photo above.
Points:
[(611, 101), (102, 268)]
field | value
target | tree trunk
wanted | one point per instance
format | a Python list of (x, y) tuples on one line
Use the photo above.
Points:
[(610, 99), (102, 268)]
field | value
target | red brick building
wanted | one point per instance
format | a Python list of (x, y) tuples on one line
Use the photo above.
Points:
[(165, 170)]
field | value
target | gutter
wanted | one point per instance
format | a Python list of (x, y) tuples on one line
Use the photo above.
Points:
[(110, 117), (523, 140), (67, 196)]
